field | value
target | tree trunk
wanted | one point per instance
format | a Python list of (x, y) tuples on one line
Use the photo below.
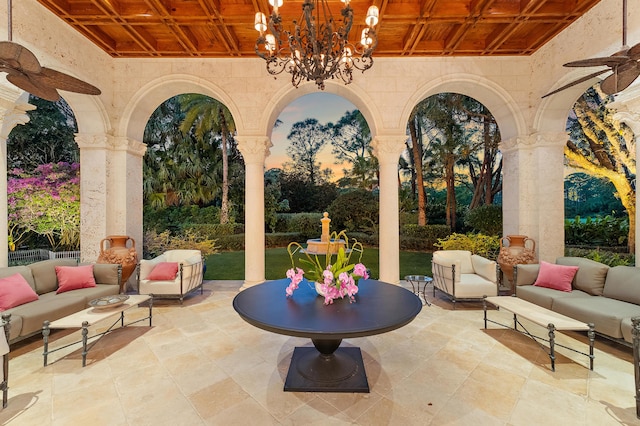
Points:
[(224, 208), (417, 161), (451, 191)]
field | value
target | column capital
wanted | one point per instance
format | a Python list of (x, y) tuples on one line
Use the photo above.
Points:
[(534, 140), (109, 142), (12, 114), (388, 148), (254, 149)]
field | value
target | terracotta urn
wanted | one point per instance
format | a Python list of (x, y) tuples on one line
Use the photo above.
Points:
[(515, 249), (115, 249)]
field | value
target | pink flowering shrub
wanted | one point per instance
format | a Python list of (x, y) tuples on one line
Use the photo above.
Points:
[(45, 202)]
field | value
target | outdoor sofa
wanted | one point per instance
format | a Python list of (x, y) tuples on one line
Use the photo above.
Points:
[(56, 299), (606, 296)]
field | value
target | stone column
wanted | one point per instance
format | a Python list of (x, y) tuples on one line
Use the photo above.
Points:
[(387, 150), (254, 150), (533, 190), (628, 112), (110, 191), (12, 112)]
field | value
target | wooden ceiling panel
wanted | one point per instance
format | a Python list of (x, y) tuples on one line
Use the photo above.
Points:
[(224, 28)]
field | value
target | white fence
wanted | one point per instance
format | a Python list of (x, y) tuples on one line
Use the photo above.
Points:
[(23, 257)]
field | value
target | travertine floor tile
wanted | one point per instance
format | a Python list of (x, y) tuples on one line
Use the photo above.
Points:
[(201, 364)]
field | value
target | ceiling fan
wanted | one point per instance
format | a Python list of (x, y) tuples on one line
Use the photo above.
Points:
[(625, 65), (24, 71)]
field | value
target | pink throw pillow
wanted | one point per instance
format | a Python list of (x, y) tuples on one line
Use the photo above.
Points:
[(164, 271), (15, 291), (557, 277), (74, 277)]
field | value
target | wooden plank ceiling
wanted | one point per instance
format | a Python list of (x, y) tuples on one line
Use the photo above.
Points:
[(224, 28)]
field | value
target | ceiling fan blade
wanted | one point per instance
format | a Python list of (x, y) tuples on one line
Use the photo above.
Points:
[(609, 61), (634, 52), (578, 81), (66, 82), (28, 85), (18, 57), (620, 79)]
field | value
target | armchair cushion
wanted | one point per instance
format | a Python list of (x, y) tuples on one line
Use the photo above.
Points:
[(464, 265), (163, 271), (484, 267), (557, 277)]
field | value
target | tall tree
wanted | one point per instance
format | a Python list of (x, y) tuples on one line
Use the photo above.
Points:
[(208, 119), (306, 139), (350, 143), (179, 169), (604, 147), (415, 144), (48, 137)]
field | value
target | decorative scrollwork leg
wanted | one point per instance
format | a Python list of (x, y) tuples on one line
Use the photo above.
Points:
[(592, 337), (635, 331), (85, 332), (552, 342), (45, 337)]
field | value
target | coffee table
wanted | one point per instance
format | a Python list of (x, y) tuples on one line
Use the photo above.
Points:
[(327, 367), (90, 316), (543, 317)]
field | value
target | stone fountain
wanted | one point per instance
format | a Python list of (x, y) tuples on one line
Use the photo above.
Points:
[(325, 244)]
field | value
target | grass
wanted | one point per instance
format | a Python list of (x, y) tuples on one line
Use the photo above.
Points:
[(230, 265)]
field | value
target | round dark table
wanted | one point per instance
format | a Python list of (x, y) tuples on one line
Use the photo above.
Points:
[(327, 367)]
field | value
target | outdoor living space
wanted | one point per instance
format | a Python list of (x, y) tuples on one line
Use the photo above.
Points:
[(202, 364)]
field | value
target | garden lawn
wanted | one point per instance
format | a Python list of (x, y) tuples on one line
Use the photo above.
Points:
[(230, 265)]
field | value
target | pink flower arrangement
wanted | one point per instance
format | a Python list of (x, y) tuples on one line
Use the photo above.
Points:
[(336, 279)]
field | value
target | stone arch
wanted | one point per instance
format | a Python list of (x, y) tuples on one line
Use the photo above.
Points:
[(505, 110), (146, 100), (552, 112), (352, 93), (90, 113)]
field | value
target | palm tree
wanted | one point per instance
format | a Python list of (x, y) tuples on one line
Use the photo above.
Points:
[(207, 117)]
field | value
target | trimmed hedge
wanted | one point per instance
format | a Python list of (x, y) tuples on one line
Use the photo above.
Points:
[(216, 230)]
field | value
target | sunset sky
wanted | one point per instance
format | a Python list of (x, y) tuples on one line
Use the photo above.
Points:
[(325, 108)]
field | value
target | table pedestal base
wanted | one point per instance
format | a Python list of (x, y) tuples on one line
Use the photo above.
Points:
[(339, 371)]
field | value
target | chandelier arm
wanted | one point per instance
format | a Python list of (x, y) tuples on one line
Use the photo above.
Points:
[(317, 48)]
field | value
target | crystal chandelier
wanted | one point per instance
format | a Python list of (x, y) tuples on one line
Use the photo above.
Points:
[(317, 48)]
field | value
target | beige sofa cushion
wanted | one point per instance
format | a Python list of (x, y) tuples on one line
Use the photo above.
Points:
[(44, 274), (526, 274), (450, 257), (591, 275), (623, 283), (106, 273), (607, 314), (22, 270), (546, 297)]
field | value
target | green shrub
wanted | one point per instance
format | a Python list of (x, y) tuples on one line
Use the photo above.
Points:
[(416, 237), (355, 211), (231, 242), (482, 245), (215, 230), (306, 224), (607, 257), (155, 244), (282, 239), (608, 231), (485, 219)]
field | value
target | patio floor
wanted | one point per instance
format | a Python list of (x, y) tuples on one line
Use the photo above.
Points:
[(202, 364)]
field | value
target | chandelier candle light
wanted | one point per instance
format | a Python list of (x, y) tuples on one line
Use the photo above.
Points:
[(317, 49)]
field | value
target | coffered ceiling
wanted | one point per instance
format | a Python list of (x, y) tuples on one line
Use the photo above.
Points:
[(224, 28)]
